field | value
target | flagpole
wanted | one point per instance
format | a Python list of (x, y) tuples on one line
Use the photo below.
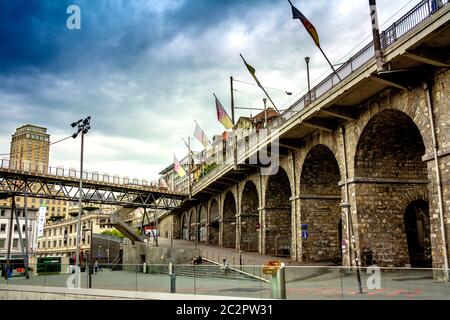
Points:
[(313, 33), (271, 100), (332, 67), (190, 168), (232, 101), (260, 85)]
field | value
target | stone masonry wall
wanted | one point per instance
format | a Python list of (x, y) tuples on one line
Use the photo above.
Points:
[(249, 217), (229, 216), (319, 206), (278, 215), (213, 232)]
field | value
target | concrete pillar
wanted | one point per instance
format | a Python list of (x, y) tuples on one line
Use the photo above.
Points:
[(296, 228), (220, 222), (262, 230)]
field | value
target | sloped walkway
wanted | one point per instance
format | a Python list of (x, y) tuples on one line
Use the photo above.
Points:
[(216, 253)]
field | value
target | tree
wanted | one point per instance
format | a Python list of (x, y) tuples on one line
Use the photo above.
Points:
[(114, 232)]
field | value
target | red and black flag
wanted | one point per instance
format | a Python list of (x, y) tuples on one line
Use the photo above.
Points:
[(296, 14)]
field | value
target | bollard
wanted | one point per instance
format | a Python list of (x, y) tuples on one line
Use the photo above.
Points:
[(172, 283), (172, 278), (144, 268), (277, 280)]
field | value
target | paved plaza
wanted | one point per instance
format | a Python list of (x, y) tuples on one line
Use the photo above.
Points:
[(301, 283)]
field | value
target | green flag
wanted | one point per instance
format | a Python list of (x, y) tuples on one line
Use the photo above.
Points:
[(252, 71)]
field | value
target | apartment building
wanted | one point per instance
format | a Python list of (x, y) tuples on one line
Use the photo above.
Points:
[(14, 245)]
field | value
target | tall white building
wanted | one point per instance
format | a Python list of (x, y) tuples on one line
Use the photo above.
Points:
[(16, 251)]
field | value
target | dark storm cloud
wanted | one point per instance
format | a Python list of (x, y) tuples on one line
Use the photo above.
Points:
[(146, 69)]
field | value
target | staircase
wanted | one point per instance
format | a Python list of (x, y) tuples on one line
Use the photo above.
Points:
[(206, 270), (116, 221), (116, 264)]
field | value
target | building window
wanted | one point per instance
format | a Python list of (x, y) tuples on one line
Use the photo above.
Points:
[(39, 245), (43, 244), (70, 241), (15, 243), (15, 228), (60, 243), (60, 231), (49, 244), (23, 228), (54, 244), (2, 212), (54, 232), (2, 244), (2, 228)]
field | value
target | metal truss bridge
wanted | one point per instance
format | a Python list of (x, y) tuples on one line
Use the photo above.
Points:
[(41, 181)]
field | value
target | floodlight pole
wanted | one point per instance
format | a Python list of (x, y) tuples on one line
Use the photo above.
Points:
[(83, 127)]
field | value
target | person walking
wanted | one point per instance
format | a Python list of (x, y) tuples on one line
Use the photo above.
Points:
[(95, 266)]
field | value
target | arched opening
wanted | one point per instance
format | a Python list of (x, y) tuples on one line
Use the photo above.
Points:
[(320, 196), (277, 218), (185, 226), (202, 224), (214, 223), (229, 221), (417, 229), (249, 218), (389, 171)]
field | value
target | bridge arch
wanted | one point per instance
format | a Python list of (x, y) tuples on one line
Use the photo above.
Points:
[(277, 215), (214, 224), (249, 217), (320, 214), (192, 222), (229, 221), (185, 226), (388, 168)]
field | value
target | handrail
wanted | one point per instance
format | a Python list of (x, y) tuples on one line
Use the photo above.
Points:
[(236, 270)]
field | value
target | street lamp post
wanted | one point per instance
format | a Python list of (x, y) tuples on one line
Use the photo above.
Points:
[(241, 223), (307, 59), (89, 256), (83, 128)]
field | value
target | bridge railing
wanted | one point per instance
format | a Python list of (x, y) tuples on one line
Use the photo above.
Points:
[(398, 29), (39, 168), (411, 19)]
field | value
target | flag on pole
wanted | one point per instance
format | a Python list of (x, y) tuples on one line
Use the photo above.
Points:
[(296, 14), (194, 157), (177, 167), (252, 72), (222, 115), (201, 136)]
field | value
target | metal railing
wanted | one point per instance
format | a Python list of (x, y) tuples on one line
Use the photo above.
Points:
[(41, 169), (398, 29)]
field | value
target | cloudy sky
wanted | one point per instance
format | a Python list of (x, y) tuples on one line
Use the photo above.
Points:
[(144, 70)]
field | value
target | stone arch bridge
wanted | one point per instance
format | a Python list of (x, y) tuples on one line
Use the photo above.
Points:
[(358, 160)]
